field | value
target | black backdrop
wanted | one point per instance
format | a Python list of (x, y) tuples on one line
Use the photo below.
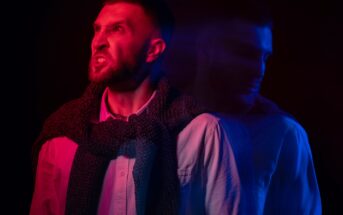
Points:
[(46, 49)]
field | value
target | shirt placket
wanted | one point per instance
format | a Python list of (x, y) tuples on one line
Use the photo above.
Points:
[(121, 182)]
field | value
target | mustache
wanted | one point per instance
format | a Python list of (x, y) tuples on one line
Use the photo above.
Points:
[(101, 54)]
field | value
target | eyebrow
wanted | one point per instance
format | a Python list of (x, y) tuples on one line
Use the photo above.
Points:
[(124, 22), (243, 45)]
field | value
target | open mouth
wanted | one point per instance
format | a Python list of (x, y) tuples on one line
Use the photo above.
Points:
[(99, 60)]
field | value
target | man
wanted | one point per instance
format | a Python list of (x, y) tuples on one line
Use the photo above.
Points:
[(271, 148), (132, 144), (235, 51)]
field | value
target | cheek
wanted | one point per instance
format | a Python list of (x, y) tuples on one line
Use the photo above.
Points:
[(120, 46), (123, 49), (134, 51), (92, 47)]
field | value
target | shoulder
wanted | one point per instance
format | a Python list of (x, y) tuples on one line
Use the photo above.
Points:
[(294, 139), (64, 112), (57, 153), (295, 154), (295, 151), (294, 131), (73, 110), (54, 126), (206, 128), (279, 123), (61, 121), (205, 140), (205, 122), (285, 128), (58, 146), (274, 133)]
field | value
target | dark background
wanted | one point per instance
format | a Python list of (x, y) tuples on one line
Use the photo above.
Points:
[(46, 49)]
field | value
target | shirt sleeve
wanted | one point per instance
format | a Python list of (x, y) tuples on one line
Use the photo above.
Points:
[(52, 175), (294, 188), (44, 200), (222, 184)]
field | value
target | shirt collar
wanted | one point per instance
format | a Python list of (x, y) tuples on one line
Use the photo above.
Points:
[(105, 113)]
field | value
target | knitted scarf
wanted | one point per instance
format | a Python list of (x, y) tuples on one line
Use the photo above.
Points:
[(154, 132)]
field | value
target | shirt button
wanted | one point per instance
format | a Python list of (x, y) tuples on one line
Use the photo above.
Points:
[(122, 173)]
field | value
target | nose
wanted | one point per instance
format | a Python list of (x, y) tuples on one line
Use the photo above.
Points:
[(100, 41), (262, 66), (258, 67)]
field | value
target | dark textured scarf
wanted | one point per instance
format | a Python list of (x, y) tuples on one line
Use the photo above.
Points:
[(154, 133)]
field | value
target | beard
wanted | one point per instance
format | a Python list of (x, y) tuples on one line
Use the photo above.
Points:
[(121, 77), (108, 73), (120, 72)]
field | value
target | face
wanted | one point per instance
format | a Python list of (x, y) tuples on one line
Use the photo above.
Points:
[(236, 54), (121, 34)]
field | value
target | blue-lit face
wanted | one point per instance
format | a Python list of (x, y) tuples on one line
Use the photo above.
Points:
[(233, 58)]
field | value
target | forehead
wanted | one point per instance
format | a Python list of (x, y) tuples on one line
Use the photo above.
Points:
[(121, 11), (243, 32)]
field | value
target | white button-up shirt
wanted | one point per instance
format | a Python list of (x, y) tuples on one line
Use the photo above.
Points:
[(275, 165), (206, 169)]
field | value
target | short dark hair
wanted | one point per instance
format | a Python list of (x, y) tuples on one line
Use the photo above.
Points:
[(159, 11)]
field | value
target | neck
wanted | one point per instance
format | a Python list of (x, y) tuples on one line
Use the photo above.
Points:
[(128, 102)]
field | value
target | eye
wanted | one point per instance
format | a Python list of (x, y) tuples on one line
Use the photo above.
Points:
[(96, 28), (117, 28)]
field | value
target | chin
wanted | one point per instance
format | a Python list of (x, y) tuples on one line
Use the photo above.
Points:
[(97, 78), (102, 75)]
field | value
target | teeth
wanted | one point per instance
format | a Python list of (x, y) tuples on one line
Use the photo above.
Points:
[(100, 60)]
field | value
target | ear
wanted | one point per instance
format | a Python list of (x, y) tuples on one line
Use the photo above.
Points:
[(156, 48)]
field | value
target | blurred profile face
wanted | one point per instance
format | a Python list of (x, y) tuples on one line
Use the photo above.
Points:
[(235, 54), (121, 34)]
